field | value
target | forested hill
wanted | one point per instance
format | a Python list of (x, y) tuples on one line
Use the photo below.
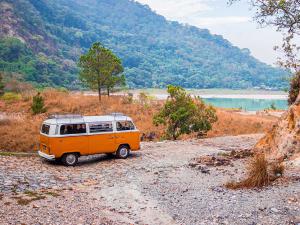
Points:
[(42, 39)]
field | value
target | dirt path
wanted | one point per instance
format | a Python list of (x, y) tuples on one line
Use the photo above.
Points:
[(153, 186)]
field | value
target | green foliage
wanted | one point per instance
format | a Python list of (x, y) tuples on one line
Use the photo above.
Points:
[(183, 115), (11, 96), (113, 81), (57, 31), (144, 99), (62, 89), (17, 57), (38, 106), (100, 68), (294, 88), (273, 106), (128, 99)]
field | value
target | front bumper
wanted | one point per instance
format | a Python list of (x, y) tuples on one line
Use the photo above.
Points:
[(46, 156)]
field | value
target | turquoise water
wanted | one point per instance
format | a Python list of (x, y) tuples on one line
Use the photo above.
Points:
[(247, 104)]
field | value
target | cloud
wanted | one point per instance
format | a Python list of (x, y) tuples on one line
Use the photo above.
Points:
[(192, 12), (215, 21), (177, 9)]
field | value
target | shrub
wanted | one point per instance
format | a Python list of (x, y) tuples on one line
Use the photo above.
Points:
[(63, 89), (14, 85), (11, 97), (272, 106), (182, 114), (128, 99), (143, 98), (260, 173), (37, 106)]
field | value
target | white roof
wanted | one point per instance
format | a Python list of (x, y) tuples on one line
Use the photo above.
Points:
[(87, 119)]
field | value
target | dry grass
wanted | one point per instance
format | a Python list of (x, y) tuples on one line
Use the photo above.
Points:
[(260, 173), (19, 129), (231, 123), (29, 197)]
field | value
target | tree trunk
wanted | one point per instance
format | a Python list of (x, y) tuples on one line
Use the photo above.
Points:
[(297, 102), (174, 137), (108, 92), (99, 93)]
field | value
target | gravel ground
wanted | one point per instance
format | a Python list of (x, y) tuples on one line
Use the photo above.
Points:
[(153, 186)]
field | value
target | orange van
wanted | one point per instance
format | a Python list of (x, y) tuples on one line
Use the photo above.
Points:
[(67, 137)]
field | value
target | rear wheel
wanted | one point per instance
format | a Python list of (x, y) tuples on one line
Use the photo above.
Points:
[(70, 159), (123, 152)]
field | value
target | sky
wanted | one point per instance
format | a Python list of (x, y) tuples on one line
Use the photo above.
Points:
[(235, 23)]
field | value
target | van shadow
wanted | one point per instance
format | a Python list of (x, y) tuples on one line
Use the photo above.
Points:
[(94, 159)]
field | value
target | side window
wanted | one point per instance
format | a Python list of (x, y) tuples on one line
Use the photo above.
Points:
[(72, 129), (125, 125), (101, 127), (45, 129)]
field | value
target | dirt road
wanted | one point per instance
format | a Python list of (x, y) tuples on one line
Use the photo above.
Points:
[(154, 186)]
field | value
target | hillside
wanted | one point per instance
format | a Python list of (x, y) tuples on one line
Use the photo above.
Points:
[(43, 40)]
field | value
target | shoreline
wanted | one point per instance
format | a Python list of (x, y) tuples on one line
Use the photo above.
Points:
[(161, 96)]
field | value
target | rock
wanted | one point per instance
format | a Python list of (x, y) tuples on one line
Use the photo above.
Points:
[(274, 210), (283, 140), (35, 206), (203, 169)]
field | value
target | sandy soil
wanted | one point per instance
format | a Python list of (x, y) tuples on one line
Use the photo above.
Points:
[(154, 186)]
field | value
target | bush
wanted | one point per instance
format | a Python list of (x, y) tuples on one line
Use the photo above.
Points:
[(260, 173), (37, 106), (18, 86), (63, 89), (128, 99), (182, 114), (11, 97), (273, 106)]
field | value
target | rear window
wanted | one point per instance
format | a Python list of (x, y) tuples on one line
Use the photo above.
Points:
[(45, 129), (125, 125), (72, 129), (101, 127)]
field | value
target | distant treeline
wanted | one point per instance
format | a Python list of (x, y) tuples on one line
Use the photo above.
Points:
[(155, 52)]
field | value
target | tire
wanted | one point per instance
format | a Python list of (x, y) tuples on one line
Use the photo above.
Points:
[(123, 152), (70, 159)]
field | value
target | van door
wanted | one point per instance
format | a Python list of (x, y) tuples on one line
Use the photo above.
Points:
[(72, 138), (126, 133), (101, 138)]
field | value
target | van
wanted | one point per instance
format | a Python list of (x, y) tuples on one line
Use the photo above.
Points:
[(67, 137)]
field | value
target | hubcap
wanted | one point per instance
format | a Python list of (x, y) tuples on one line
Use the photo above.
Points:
[(123, 152), (71, 159)]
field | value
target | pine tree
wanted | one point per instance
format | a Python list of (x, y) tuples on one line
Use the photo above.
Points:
[(37, 106)]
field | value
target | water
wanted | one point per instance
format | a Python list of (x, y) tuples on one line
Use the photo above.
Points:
[(248, 100), (247, 104)]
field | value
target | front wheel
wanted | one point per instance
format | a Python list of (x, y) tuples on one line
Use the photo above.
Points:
[(123, 152), (70, 159)]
